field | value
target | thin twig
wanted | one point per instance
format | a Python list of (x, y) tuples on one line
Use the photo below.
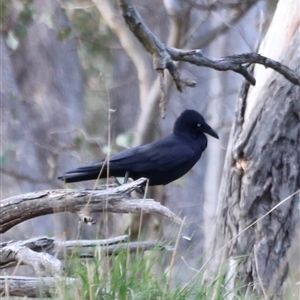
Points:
[(43, 252), (162, 102)]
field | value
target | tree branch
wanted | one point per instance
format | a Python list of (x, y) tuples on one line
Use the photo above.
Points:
[(161, 58), (32, 287), (17, 209), (43, 263), (164, 56), (44, 253)]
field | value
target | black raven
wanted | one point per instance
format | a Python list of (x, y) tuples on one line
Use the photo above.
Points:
[(162, 161)]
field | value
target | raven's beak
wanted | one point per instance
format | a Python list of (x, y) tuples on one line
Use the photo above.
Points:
[(207, 129)]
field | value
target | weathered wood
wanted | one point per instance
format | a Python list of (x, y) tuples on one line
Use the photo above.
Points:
[(44, 253), (45, 261), (17, 209), (44, 264), (34, 287), (65, 248), (9, 255), (262, 168)]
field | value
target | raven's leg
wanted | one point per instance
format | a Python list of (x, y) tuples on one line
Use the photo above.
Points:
[(116, 181), (126, 177), (141, 190)]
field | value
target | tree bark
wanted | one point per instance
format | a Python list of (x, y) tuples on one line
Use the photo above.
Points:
[(262, 169)]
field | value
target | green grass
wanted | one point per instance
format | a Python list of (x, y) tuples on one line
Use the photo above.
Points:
[(128, 276), (145, 275)]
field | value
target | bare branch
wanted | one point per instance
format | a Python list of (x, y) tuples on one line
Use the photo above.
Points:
[(87, 248), (162, 103), (163, 56), (51, 246), (180, 82), (235, 63), (196, 57), (254, 58), (17, 209), (33, 287), (151, 43), (43, 253), (44, 264)]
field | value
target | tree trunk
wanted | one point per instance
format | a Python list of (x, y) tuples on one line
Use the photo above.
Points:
[(262, 169)]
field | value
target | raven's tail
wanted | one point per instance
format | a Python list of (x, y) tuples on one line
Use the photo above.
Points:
[(90, 172)]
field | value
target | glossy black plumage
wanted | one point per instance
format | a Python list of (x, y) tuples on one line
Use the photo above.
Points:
[(162, 161)]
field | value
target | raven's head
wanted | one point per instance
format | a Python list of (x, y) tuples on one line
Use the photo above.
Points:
[(192, 122)]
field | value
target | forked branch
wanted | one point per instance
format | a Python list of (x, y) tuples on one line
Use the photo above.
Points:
[(164, 56)]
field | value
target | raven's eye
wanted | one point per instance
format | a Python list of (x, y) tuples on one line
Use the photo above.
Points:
[(198, 125)]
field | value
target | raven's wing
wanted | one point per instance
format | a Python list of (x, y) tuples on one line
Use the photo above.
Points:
[(160, 155)]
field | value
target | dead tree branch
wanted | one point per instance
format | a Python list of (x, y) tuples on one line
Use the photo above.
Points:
[(44, 253), (44, 264), (33, 287), (164, 56), (51, 246), (161, 58), (17, 209)]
